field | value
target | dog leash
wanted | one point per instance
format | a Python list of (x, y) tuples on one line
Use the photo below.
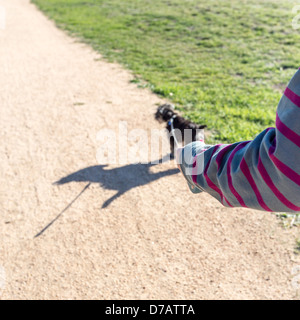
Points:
[(172, 132)]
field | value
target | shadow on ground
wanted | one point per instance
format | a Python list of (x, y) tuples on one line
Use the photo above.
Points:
[(121, 179)]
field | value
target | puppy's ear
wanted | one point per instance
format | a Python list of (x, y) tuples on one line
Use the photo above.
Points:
[(202, 126)]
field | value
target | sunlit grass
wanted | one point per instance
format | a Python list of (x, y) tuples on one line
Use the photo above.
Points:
[(222, 62)]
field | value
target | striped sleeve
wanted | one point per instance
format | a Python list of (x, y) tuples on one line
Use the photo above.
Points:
[(263, 173)]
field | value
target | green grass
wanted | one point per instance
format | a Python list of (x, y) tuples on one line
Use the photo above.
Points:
[(222, 62)]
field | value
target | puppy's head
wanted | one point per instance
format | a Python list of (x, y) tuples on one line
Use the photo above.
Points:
[(164, 113)]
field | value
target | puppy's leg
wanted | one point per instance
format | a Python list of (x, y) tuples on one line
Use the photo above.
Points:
[(172, 141), (172, 147)]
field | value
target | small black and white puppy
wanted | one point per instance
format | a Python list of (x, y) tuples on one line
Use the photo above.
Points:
[(185, 130)]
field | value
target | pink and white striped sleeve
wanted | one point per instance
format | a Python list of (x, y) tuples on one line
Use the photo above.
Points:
[(263, 173)]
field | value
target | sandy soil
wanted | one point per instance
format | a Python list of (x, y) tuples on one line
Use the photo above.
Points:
[(117, 232)]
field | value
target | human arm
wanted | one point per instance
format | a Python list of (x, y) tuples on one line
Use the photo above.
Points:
[(263, 173)]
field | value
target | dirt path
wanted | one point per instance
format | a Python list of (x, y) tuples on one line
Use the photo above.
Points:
[(154, 239)]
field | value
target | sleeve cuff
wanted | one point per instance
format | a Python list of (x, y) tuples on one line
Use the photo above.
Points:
[(186, 158)]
